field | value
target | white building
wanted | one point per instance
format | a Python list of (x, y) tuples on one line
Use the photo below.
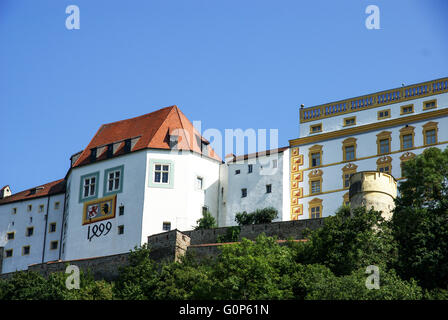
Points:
[(255, 181), (373, 132), (30, 224)]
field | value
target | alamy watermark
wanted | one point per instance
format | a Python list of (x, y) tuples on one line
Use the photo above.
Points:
[(73, 22), (72, 281), (373, 20), (373, 280)]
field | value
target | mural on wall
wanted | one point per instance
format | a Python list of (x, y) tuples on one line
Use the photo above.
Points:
[(99, 209)]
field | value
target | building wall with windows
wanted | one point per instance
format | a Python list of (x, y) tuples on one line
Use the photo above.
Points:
[(192, 186), (252, 182), (30, 231), (380, 132)]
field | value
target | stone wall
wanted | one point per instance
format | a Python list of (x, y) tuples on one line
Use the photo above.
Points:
[(282, 230)]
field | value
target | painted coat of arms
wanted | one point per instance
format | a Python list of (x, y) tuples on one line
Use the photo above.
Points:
[(99, 209)]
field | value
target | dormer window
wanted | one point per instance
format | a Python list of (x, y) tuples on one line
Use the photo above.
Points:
[(93, 155), (127, 145), (110, 150), (204, 147), (174, 140)]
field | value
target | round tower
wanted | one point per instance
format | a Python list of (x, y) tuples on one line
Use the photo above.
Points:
[(373, 189)]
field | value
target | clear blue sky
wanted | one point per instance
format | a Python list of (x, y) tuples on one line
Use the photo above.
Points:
[(231, 64)]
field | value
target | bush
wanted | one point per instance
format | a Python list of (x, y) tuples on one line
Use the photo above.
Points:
[(206, 222), (265, 215), (232, 235)]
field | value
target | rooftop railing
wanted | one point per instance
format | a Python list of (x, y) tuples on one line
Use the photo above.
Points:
[(374, 100)]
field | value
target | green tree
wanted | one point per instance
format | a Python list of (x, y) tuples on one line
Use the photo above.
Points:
[(137, 281), (420, 219), (206, 222), (265, 215), (347, 242)]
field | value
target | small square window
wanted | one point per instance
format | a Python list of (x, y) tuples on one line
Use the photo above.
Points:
[(429, 104), (243, 193), (199, 182), (268, 188), (52, 227), (14, 210), (30, 207), (237, 171), (10, 235), (250, 168), (316, 128), (407, 109), (166, 226), (349, 121), (121, 210), (41, 208), (29, 231), (121, 229), (56, 205), (25, 250), (8, 253), (54, 245), (383, 114)]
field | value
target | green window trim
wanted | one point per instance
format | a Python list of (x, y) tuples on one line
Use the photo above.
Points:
[(81, 186), (151, 183), (106, 179)]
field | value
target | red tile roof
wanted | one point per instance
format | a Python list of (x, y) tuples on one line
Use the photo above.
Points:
[(150, 131), (51, 188)]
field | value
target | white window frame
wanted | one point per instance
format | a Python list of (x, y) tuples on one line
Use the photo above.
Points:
[(162, 171)]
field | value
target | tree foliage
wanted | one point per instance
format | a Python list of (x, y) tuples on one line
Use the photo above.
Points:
[(420, 219), (266, 215), (206, 222)]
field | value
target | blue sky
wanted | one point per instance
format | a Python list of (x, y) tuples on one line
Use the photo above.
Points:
[(231, 64)]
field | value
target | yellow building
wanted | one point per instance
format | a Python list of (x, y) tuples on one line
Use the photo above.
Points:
[(377, 131)]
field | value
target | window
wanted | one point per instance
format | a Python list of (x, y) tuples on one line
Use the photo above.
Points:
[(121, 229), (274, 164), (30, 207), (384, 164), (316, 128), (315, 156), (383, 114), (8, 253), (121, 210), (161, 173), (52, 227), (431, 104), (383, 141), (349, 121), (166, 226), (250, 168), (315, 208), (243, 193), (199, 183), (315, 186), (407, 109), (205, 209), (88, 186), (407, 137), (29, 231), (54, 245), (41, 208), (347, 172), (10, 235), (430, 133), (269, 188), (315, 181), (113, 181), (25, 250), (237, 171), (14, 210), (56, 205), (349, 149)]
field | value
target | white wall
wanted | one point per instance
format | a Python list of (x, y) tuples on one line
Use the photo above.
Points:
[(255, 183)]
